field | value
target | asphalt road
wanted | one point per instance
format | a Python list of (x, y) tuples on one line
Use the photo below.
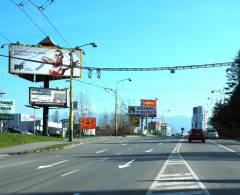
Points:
[(127, 165)]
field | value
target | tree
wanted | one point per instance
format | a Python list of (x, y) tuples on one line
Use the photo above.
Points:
[(226, 114)]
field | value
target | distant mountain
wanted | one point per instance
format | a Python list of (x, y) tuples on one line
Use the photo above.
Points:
[(177, 122)]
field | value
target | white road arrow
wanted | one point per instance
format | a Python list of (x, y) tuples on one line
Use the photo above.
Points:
[(51, 165), (150, 150), (128, 164)]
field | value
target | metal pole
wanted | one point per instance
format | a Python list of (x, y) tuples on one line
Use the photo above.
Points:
[(34, 121), (71, 102), (116, 113)]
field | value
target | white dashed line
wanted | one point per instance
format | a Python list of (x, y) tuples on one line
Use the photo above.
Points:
[(150, 150), (128, 164), (119, 153), (70, 172), (100, 151), (223, 146)]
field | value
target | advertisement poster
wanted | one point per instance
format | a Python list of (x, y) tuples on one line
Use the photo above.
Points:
[(50, 97), (38, 60)]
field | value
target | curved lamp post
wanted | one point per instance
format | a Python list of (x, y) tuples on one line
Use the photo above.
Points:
[(116, 103)]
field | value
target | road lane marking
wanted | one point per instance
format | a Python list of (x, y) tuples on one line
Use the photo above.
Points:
[(104, 159), (124, 144), (129, 149), (223, 147), (51, 165), (119, 153), (70, 172), (72, 146), (160, 144), (128, 164), (180, 183), (150, 150), (101, 151)]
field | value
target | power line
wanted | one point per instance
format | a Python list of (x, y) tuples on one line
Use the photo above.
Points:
[(2, 35), (20, 6), (51, 24)]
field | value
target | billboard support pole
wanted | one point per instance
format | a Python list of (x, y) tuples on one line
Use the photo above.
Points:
[(45, 110)]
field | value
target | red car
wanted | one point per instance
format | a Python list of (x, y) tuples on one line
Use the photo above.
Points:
[(196, 134)]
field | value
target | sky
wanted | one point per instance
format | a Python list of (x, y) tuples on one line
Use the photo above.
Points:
[(136, 33)]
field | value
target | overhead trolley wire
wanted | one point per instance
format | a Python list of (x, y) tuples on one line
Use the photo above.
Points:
[(20, 6), (49, 22)]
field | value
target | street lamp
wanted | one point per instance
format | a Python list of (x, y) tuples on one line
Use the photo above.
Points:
[(71, 85), (116, 104), (34, 122)]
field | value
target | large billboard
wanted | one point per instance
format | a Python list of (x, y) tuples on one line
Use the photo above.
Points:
[(146, 102), (49, 97), (87, 122), (39, 60)]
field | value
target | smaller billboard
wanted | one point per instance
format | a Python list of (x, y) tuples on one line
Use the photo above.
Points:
[(87, 122), (145, 102), (48, 97), (149, 111)]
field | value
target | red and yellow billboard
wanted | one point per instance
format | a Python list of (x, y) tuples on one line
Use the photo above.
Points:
[(152, 103), (87, 123)]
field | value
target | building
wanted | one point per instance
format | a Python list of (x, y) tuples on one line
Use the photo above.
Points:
[(199, 120)]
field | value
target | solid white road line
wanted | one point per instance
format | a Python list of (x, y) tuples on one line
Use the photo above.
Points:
[(70, 172), (101, 151), (223, 146), (104, 159), (128, 164), (51, 165), (150, 150), (196, 177)]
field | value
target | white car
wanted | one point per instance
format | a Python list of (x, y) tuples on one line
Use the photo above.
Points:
[(212, 133)]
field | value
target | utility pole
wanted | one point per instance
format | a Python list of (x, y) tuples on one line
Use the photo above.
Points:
[(71, 96)]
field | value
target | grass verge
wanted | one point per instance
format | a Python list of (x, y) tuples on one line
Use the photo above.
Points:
[(12, 139)]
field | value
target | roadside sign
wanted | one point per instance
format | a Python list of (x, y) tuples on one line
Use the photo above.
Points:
[(87, 123), (149, 111), (134, 121), (6, 116), (145, 102)]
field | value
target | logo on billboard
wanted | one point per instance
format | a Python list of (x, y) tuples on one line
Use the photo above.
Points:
[(152, 103)]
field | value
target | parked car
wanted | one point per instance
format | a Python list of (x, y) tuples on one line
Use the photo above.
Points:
[(196, 134), (212, 133)]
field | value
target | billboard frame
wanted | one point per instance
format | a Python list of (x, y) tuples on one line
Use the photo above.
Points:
[(46, 104), (42, 77)]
